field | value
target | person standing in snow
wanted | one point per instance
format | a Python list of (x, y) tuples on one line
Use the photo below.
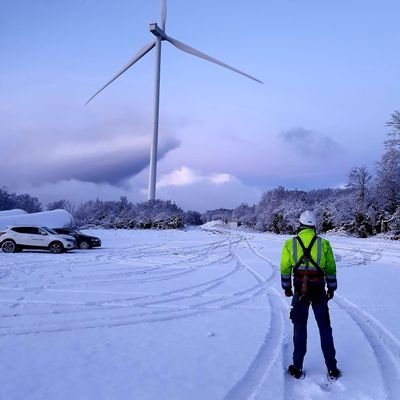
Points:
[(309, 259)]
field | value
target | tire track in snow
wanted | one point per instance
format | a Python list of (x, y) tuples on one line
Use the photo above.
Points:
[(103, 322), (153, 308), (253, 383), (251, 293), (110, 275), (157, 300), (114, 305), (195, 253), (145, 276), (258, 277), (355, 257), (286, 349), (236, 298), (258, 254), (145, 301), (384, 344)]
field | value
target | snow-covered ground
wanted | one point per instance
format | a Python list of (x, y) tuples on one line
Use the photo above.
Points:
[(190, 315)]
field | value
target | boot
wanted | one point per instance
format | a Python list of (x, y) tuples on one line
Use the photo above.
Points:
[(334, 373), (295, 372)]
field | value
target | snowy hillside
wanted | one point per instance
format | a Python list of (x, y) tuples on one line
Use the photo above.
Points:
[(197, 314)]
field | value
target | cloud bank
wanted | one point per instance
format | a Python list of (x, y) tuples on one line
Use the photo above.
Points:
[(103, 151), (309, 143), (192, 189), (186, 176)]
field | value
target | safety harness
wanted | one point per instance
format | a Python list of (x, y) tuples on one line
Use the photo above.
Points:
[(302, 270)]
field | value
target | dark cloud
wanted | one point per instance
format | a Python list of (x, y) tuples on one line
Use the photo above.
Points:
[(109, 165), (310, 143), (104, 151)]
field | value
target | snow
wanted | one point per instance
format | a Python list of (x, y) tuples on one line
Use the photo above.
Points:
[(52, 219), (15, 211), (195, 314)]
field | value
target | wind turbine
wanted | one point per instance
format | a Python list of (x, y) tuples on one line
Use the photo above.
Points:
[(160, 36)]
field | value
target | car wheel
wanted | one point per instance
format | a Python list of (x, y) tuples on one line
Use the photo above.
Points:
[(84, 245), (56, 247), (8, 246)]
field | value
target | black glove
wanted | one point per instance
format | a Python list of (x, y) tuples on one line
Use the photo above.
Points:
[(330, 294), (288, 292)]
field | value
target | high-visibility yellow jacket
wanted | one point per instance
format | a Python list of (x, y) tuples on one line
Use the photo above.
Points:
[(321, 253)]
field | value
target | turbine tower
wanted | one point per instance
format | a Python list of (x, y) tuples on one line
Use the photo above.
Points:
[(160, 36)]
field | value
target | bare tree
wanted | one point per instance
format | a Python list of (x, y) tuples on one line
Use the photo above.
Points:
[(61, 204), (358, 179), (394, 123)]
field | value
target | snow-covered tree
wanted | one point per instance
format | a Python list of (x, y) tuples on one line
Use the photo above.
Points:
[(388, 171), (192, 218), (388, 179), (7, 200), (358, 183), (358, 179), (394, 124), (23, 201), (158, 214), (245, 215), (222, 214), (61, 204)]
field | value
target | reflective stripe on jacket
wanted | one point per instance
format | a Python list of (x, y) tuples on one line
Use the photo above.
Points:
[(321, 253)]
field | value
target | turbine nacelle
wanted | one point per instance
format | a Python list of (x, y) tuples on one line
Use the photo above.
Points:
[(157, 31)]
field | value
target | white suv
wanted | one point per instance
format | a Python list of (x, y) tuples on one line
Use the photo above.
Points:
[(16, 238)]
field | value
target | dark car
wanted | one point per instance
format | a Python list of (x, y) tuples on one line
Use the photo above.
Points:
[(83, 241)]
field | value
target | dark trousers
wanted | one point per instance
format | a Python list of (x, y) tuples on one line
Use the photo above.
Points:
[(299, 316)]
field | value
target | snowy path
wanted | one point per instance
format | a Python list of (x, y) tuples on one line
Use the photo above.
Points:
[(190, 315)]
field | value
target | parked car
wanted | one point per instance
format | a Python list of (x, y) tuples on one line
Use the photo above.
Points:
[(17, 238), (83, 241)]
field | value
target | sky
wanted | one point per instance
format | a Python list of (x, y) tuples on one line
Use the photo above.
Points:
[(330, 73)]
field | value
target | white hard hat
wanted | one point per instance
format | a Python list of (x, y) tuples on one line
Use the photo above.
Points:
[(308, 218)]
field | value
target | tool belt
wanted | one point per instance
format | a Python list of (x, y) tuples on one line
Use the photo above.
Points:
[(311, 275), (308, 281)]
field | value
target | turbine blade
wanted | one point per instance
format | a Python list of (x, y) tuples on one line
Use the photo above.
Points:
[(142, 52), (187, 49), (163, 13)]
